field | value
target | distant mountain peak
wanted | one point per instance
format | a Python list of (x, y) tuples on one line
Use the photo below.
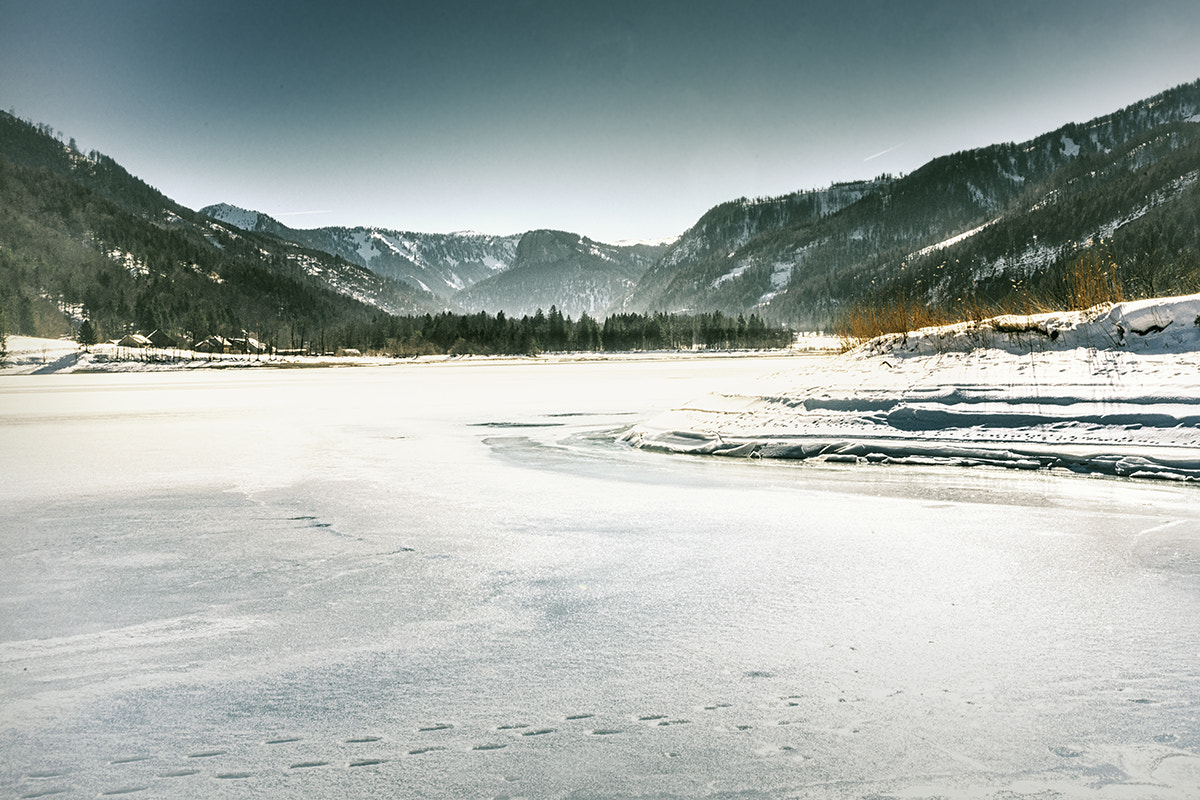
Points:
[(662, 241), (230, 214)]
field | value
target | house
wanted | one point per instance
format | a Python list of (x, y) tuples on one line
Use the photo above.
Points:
[(160, 339), (247, 344), (134, 340), (214, 344)]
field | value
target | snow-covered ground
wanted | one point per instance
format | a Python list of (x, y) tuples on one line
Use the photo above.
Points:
[(446, 581), (28, 355), (1114, 390)]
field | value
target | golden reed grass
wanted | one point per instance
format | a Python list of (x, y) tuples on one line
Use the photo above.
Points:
[(1091, 279)]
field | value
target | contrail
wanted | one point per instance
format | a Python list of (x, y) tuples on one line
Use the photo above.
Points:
[(882, 153)]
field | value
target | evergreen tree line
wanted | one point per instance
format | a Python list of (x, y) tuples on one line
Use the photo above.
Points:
[(486, 334)]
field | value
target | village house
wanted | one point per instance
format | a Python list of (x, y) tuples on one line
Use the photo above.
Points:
[(159, 339), (214, 344), (247, 344), (134, 340)]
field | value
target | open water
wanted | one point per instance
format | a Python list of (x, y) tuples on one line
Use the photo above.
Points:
[(449, 581)]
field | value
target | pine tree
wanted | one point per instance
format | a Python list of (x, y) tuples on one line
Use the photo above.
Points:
[(87, 334)]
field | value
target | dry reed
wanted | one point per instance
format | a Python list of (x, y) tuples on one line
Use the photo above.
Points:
[(1091, 279)]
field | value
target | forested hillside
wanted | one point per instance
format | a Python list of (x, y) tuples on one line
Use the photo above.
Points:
[(80, 239), (996, 224)]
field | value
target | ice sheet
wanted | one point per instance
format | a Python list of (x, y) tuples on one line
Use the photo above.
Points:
[(448, 581)]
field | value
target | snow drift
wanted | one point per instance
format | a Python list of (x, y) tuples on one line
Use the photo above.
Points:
[(1113, 390)]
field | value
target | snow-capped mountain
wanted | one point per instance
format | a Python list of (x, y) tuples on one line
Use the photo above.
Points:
[(440, 263), (516, 274), (344, 277), (566, 270)]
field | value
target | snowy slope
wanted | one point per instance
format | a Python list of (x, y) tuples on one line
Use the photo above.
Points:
[(566, 270), (440, 263), (516, 274), (1114, 390), (238, 217)]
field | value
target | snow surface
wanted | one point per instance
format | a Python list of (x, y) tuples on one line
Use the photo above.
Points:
[(733, 274), (953, 240), (1113, 390), (444, 582), (661, 241), (233, 215), (364, 245), (28, 355)]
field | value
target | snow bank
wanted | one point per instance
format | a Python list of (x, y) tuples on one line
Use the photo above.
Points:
[(1162, 325), (1114, 390)]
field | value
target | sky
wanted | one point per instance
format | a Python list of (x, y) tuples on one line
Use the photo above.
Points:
[(617, 120)]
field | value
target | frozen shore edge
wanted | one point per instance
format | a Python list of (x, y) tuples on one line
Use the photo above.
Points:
[(1178, 464), (1114, 390), (34, 356)]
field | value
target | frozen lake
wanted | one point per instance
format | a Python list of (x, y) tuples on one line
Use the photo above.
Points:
[(448, 581)]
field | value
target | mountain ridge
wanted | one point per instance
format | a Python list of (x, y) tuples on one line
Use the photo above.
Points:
[(80, 236), (472, 271), (440, 263), (571, 272), (922, 234)]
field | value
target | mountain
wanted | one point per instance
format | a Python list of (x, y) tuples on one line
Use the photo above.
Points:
[(566, 270), (81, 238), (696, 272), (440, 263), (516, 274), (990, 224)]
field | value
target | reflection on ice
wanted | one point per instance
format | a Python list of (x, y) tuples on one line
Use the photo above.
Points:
[(336, 584)]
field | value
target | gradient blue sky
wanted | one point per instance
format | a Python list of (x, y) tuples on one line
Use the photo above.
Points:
[(614, 119)]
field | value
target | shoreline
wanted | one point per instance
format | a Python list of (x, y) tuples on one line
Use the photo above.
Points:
[(34, 356)]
